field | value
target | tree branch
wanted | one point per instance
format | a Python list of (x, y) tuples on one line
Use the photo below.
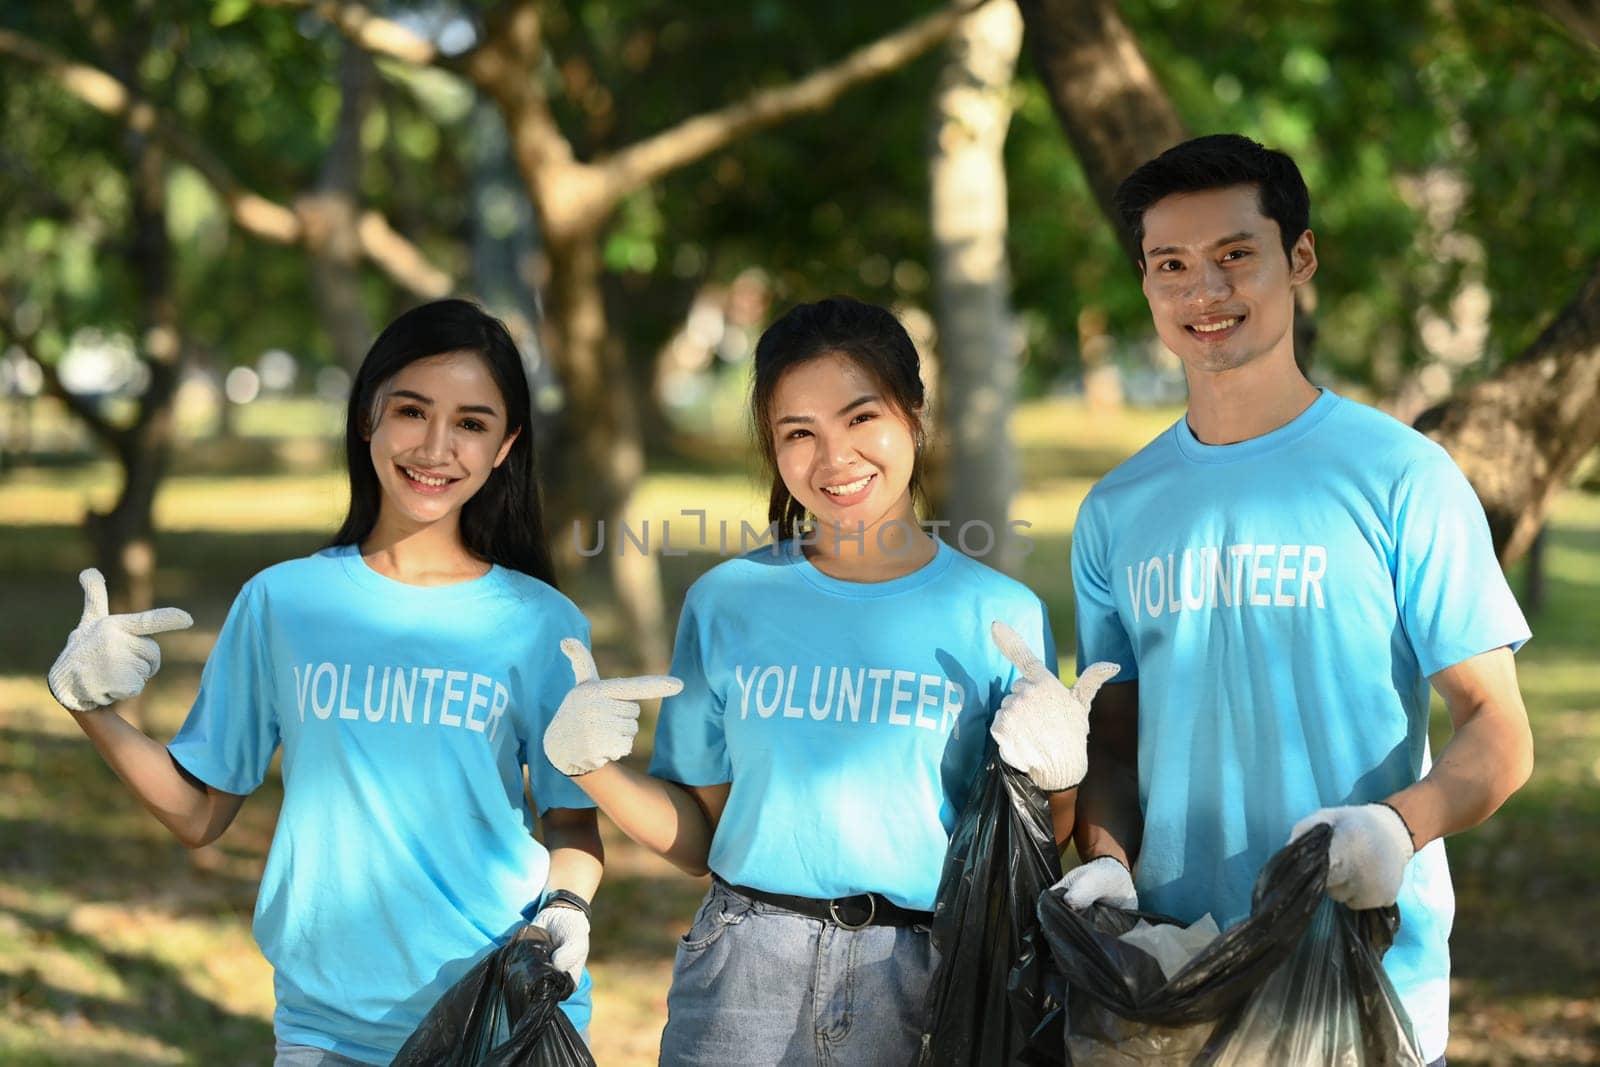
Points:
[(502, 67), (102, 428), (378, 35), (106, 94), (573, 197), (640, 164), (409, 267), (1519, 435), (1580, 18), (111, 436)]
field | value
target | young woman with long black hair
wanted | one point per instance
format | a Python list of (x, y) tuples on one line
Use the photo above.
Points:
[(837, 689), (408, 672)]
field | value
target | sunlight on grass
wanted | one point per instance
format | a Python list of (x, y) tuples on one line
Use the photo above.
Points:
[(260, 503)]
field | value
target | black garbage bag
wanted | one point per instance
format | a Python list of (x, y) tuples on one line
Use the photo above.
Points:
[(1299, 983), (504, 1012), (991, 996)]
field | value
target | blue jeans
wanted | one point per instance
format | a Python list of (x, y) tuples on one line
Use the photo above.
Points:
[(754, 984), (310, 1056)]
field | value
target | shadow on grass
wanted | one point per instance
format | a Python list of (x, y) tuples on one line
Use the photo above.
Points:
[(1525, 886), (73, 824), (159, 1004), (199, 570)]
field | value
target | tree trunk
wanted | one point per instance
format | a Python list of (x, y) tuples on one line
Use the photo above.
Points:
[(123, 538), (1115, 113), (978, 335), (604, 460), (331, 213), (1520, 434)]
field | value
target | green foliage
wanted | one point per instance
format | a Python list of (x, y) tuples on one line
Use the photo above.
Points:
[(1374, 101), (828, 203), (258, 88), (1371, 99)]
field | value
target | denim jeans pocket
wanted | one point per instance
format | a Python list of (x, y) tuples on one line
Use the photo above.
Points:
[(720, 910)]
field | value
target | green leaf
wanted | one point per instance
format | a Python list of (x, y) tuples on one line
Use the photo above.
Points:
[(227, 12)]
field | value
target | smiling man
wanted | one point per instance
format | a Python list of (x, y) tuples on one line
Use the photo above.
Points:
[(1281, 575)]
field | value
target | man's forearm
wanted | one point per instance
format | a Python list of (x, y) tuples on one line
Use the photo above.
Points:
[(1109, 822), (1489, 758), (1063, 814)]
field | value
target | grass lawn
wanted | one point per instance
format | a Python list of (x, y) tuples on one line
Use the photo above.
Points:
[(119, 947)]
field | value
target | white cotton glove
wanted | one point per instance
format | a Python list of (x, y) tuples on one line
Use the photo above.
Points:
[(1368, 854), (597, 721), (569, 937), (109, 657), (1101, 881), (1042, 727)]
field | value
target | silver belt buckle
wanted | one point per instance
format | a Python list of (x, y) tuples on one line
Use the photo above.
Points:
[(872, 913)]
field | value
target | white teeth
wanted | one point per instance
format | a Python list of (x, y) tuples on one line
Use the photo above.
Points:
[(848, 488), (418, 476), (1213, 327)]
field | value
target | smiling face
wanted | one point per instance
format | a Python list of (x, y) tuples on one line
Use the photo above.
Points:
[(843, 451), (439, 433), (1220, 288)]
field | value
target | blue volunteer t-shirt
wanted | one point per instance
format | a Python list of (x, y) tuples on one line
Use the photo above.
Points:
[(1282, 602), (850, 717), (403, 850)]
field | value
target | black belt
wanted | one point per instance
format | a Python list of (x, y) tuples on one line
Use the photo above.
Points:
[(850, 913)]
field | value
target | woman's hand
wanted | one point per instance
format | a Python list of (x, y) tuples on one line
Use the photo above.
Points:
[(568, 928), (109, 657), (599, 719), (1042, 727)]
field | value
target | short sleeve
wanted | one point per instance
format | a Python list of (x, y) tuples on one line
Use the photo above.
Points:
[(231, 732), (552, 681), (690, 746), (1101, 636), (1051, 656), (1453, 597)]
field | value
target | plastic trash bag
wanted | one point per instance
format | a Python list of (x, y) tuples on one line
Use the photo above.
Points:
[(505, 1011), (991, 1000), (1173, 944), (1299, 983)]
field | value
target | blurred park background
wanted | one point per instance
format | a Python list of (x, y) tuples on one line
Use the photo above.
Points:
[(207, 210)]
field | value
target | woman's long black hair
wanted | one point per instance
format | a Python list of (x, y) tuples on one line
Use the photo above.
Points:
[(866, 334), (504, 521)]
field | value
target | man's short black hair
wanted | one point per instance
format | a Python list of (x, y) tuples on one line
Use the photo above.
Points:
[(1218, 161)]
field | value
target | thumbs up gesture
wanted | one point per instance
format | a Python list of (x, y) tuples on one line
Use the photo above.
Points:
[(1042, 727), (599, 719), (109, 657)]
